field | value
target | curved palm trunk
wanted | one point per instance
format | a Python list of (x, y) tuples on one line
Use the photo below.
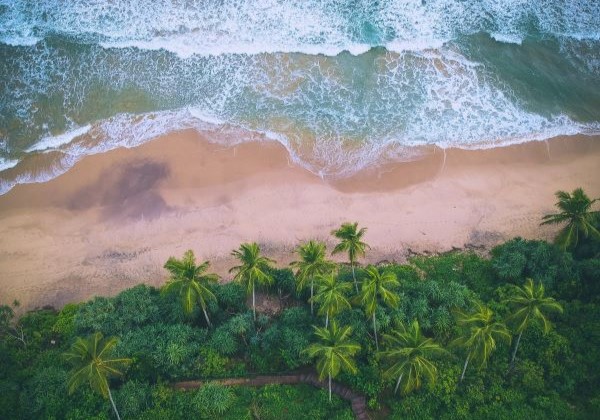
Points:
[(512, 360), (330, 387), (354, 276), (462, 376), (113, 404), (206, 317), (375, 331), (253, 303), (398, 383), (312, 287)]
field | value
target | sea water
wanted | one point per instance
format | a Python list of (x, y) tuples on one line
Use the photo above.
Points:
[(343, 85)]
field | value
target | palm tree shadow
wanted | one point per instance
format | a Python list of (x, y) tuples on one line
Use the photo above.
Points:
[(127, 191)]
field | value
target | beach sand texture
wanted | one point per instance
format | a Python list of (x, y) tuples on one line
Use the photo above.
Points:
[(113, 220)]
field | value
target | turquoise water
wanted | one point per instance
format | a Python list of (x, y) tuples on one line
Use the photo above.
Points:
[(343, 85)]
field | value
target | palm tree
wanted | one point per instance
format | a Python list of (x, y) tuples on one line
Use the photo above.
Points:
[(312, 263), (254, 269), (408, 353), (376, 288), (529, 304), (334, 351), (481, 334), (575, 210), (91, 363), (331, 296), (191, 282), (350, 242)]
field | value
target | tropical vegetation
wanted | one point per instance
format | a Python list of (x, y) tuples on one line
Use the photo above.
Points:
[(508, 334)]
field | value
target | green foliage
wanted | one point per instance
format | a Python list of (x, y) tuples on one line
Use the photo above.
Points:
[(45, 394), (213, 400), (92, 363), (334, 352), (284, 282), (430, 302), (555, 374), (131, 308), (65, 322), (173, 354), (589, 272), (409, 356), (254, 269), (518, 259), (212, 364), (133, 398), (231, 297), (191, 283), (576, 216), (282, 343), (297, 402)]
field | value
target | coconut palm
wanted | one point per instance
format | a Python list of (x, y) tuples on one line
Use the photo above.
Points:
[(480, 335), (575, 211), (91, 362), (350, 242), (331, 296), (334, 352), (408, 355), (312, 263), (191, 282), (530, 305), (378, 288), (254, 269)]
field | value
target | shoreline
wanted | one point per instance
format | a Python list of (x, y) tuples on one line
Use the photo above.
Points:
[(113, 219)]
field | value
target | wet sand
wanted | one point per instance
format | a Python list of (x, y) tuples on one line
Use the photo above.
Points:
[(112, 220)]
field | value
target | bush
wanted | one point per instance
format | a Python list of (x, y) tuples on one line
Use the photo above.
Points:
[(131, 308), (518, 259), (133, 398), (213, 400), (173, 354)]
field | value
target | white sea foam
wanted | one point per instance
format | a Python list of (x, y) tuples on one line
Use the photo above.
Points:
[(507, 38), (53, 142), (7, 163), (310, 26), (335, 113)]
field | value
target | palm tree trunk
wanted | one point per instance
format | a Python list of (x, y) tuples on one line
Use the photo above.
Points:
[(375, 331), (253, 303), (398, 383), (512, 360), (312, 286), (206, 317), (330, 387), (327, 320), (354, 276), (464, 369), (113, 404)]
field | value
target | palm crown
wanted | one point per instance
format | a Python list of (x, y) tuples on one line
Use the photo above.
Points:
[(91, 362), (481, 334), (530, 304), (191, 282), (350, 242), (408, 353), (312, 263), (334, 352), (378, 287), (254, 269), (575, 211), (331, 296)]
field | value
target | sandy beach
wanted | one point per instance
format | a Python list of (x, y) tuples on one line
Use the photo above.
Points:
[(113, 220)]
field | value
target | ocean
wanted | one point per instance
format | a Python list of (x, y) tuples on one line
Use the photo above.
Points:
[(343, 85)]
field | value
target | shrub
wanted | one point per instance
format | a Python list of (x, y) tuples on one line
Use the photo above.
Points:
[(213, 400)]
